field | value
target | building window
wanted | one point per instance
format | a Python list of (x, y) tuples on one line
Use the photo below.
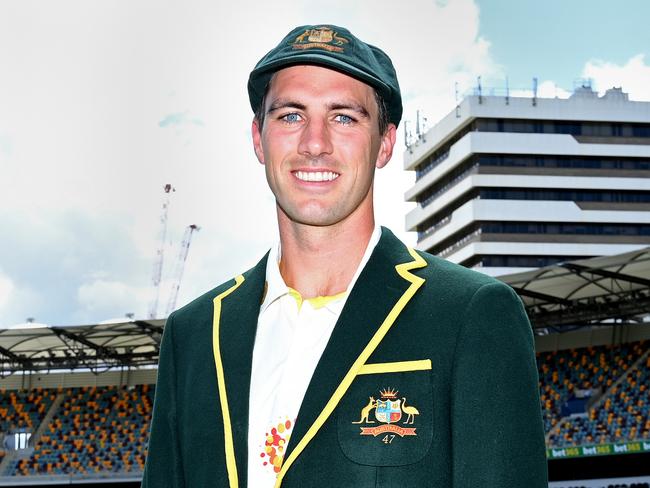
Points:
[(610, 196), (565, 228), (532, 161), (471, 232), (574, 128)]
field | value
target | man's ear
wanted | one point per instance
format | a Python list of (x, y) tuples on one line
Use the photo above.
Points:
[(256, 131), (387, 145)]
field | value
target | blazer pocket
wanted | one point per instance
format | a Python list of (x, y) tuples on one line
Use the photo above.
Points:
[(386, 416)]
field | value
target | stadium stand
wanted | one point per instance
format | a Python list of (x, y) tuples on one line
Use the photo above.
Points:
[(24, 409), (562, 373), (622, 414), (96, 430)]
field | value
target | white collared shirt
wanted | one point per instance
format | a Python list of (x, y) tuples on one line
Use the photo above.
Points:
[(291, 336)]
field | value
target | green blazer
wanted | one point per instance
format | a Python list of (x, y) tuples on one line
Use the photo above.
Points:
[(428, 380)]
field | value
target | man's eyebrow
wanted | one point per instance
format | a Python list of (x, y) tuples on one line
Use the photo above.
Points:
[(355, 107), (285, 103), (281, 103)]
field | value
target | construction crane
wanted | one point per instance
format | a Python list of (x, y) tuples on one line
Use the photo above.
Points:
[(158, 264), (180, 266)]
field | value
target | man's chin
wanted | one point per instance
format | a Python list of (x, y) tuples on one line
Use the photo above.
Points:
[(312, 217)]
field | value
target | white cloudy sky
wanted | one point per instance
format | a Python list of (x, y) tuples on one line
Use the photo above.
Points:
[(103, 102)]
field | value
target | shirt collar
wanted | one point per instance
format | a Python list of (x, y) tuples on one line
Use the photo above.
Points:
[(276, 287)]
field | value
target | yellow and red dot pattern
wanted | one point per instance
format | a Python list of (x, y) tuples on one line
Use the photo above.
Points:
[(276, 441)]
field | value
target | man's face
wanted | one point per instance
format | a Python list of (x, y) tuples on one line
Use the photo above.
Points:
[(320, 144)]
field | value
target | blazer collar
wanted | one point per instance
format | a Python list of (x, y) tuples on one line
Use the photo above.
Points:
[(233, 337)]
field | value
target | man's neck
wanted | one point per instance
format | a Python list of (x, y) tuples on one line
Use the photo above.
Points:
[(321, 261)]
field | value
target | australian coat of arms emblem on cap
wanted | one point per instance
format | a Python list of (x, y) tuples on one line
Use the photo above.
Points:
[(388, 411), (322, 38)]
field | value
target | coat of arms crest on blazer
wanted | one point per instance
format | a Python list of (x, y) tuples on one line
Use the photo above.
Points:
[(389, 411)]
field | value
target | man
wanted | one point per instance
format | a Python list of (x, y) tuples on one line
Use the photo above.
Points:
[(343, 358)]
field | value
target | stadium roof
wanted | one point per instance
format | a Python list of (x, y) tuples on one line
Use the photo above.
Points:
[(93, 347), (605, 290), (587, 292)]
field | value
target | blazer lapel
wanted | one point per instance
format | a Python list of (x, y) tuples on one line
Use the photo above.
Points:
[(382, 290), (234, 326)]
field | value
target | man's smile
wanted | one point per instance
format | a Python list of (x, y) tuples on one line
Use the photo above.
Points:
[(317, 176)]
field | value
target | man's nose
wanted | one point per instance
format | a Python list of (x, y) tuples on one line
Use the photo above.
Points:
[(315, 139)]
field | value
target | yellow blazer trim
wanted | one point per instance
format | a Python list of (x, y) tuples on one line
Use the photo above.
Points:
[(231, 464), (396, 367), (404, 271)]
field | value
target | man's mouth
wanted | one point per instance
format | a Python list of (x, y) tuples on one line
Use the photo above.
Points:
[(316, 175)]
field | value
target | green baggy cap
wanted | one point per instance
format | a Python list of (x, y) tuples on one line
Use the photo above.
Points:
[(333, 47)]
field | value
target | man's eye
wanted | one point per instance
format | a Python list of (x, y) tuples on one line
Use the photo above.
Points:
[(291, 118), (344, 119)]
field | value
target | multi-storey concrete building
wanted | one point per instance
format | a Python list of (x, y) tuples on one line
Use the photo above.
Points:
[(508, 184)]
